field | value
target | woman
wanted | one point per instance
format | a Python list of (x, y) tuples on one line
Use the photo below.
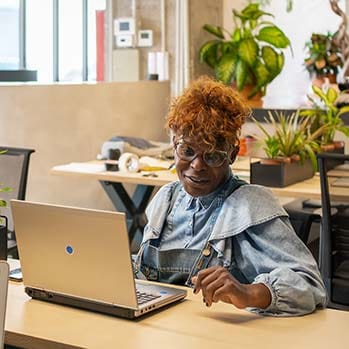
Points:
[(226, 238)]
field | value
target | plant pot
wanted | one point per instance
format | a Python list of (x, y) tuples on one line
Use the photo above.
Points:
[(320, 79), (280, 174), (247, 146), (337, 148), (256, 101)]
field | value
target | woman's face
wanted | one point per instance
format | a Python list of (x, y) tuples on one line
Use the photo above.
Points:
[(193, 160)]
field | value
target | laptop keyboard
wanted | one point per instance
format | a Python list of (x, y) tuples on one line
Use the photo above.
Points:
[(144, 297)]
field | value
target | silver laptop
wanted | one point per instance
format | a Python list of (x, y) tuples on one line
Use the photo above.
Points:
[(81, 257)]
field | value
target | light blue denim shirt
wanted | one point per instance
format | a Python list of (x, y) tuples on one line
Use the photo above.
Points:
[(253, 237), (187, 223)]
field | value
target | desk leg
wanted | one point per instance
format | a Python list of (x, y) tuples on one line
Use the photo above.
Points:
[(133, 207)]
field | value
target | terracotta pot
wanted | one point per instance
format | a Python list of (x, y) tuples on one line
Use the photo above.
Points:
[(338, 144), (275, 161), (327, 147), (247, 144), (337, 147), (256, 101), (319, 80)]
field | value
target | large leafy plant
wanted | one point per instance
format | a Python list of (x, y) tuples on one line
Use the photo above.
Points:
[(325, 112), (289, 137), (251, 54)]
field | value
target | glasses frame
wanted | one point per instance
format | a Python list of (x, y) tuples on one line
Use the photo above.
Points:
[(225, 153)]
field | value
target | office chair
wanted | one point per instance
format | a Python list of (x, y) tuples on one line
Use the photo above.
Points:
[(14, 166), (302, 217), (334, 240)]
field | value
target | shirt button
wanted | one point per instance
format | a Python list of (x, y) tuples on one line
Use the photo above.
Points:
[(206, 252)]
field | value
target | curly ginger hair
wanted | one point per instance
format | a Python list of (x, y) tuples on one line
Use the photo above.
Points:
[(210, 112)]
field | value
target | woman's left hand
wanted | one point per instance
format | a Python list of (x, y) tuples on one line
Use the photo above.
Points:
[(217, 284)]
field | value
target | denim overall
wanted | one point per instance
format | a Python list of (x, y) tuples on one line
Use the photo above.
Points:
[(178, 266)]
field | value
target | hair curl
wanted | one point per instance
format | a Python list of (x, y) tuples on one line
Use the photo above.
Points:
[(209, 112)]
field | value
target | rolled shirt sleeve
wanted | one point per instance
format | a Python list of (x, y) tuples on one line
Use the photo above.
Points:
[(272, 254)]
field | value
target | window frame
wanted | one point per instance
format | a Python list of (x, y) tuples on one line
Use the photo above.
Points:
[(55, 38)]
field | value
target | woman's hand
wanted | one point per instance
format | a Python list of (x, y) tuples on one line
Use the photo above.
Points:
[(217, 284)]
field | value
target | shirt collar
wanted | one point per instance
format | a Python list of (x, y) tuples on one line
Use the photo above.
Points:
[(206, 201)]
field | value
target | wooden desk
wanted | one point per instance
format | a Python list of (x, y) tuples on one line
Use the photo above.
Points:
[(134, 207), (189, 324), (309, 188)]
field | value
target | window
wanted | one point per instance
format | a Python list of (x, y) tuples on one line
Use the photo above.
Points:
[(39, 43), (70, 40), (9, 34), (59, 37)]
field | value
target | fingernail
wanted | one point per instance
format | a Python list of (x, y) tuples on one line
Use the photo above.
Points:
[(195, 290), (206, 304), (203, 299)]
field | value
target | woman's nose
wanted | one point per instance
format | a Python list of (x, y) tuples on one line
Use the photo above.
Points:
[(198, 163)]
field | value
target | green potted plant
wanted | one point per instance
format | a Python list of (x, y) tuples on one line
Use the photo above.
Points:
[(323, 57), (290, 149), (252, 55), (326, 112)]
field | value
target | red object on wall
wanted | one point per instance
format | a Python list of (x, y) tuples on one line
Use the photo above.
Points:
[(100, 45)]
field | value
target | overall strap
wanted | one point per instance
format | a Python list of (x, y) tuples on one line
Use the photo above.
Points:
[(208, 252)]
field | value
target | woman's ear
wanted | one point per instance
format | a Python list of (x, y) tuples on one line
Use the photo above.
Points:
[(174, 140)]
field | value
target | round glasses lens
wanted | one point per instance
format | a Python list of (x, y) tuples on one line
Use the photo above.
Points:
[(185, 152), (215, 159)]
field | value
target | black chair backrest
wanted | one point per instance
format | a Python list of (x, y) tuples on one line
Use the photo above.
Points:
[(334, 235), (14, 166)]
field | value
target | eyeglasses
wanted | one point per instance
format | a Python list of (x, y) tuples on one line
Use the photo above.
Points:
[(186, 152)]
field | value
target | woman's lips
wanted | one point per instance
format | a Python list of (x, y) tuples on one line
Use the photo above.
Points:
[(197, 180)]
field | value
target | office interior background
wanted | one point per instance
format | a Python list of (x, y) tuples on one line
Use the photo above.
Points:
[(83, 97), (59, 39)]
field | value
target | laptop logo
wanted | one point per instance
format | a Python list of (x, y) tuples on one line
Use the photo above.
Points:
[(69, 249)]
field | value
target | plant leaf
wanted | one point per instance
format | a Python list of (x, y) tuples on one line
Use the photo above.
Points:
[(236, 37), (271, 60), (331, 95), (261, 73), (319, 92), (274, 36), (214, 30), (208, 52), (343, 110), (226, 67), (344, 129), (5, 189), (252, 12), (281, 60), (241, 74), (248, 51)]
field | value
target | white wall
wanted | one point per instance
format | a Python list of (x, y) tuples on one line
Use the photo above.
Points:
[(69, 123)]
